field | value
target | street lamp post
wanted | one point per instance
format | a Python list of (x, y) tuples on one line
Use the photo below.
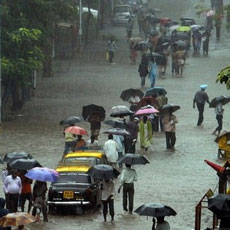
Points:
[(80, 23)]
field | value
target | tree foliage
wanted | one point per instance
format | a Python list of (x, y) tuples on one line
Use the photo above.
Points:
[(27, 31), (224, 77)]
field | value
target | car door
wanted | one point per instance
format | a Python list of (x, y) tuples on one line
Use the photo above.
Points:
[(96, 191)]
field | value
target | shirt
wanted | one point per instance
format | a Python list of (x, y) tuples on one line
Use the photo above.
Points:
[(26, 184), (163, 100), (169, 122), (107, 190), (111, 151), (120, 140), (89, 144), (80, 143), (11, 185), (163, 226), (111, 46), (4, 174), (128, 176), (69, 137), (133, 129), (219, 109), (201, 97)]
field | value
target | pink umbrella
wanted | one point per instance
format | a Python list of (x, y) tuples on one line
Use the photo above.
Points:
[(147, 110), (76, 130)]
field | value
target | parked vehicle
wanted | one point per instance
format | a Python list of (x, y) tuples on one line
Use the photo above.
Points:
[(95, 157), (187, 21), (74, 189), (121, 14)]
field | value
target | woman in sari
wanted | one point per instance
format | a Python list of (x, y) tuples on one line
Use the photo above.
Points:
[(145, 129)]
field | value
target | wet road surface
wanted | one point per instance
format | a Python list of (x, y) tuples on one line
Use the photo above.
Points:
[(178, 179)]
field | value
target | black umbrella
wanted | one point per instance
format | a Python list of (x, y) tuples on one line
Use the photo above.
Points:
[(126, 94), (155, 91), (222, 99), (133, 159), (220, 205), (142, 45), (70, 120), (92, 109), (120, 111), (1, 161), (155, 210), (103, 172), (117, 131), (116, 124), (16, 155), (172, 107), (24, 164)]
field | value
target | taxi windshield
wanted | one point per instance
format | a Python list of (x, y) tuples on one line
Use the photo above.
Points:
[(73, 177), (90, 160)]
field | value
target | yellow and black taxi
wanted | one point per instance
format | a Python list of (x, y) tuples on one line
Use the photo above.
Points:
[(74, 187), (94, 156)]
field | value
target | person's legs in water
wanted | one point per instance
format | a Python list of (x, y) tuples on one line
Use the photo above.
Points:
[(111, 209), (173, 139), (111, 57), (131, 197), (219, 119), (105, 209), (201, 111), (142, 81), (167, 137), (44, 212), (125, 192)]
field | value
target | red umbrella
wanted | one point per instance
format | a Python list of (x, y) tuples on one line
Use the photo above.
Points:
[(218, 168), (76, 130)]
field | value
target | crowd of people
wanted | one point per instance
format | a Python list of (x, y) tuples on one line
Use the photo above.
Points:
[(18, 189)]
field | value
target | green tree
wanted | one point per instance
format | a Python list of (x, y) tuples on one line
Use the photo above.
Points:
[(21, 56), (27, 39), (224, 77)]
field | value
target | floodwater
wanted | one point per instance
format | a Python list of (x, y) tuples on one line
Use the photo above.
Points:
[(178, 179)]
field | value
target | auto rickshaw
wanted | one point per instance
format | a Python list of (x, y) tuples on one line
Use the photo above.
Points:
[(223, 141)]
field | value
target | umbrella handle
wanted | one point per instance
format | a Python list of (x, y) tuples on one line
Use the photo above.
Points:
[(119, 189)]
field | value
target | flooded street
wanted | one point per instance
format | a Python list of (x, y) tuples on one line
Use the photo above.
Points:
[(178, 179)]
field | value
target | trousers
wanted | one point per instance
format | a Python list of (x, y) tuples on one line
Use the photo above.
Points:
[(108, 203), (200, 108), (128, 193), (170, 139)]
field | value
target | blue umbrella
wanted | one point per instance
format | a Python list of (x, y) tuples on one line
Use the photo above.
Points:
[(42, 174)]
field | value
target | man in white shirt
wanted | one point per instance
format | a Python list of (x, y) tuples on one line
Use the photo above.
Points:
[(12, 188), (92, 142), (111, 151), (107, 198), (127, 178)]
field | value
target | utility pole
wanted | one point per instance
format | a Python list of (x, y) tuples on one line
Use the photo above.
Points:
[(0, 74), (80, 24)]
